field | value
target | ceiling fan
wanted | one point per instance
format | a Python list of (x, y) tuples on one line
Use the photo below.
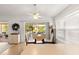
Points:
[(35, 13)]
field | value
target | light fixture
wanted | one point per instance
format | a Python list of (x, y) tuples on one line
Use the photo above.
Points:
[(35, 13), (36, 16)]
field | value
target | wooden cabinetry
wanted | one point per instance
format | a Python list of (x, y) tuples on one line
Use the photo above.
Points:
[(14, 38)]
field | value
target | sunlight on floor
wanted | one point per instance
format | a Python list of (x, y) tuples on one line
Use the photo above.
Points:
[(3, 46)]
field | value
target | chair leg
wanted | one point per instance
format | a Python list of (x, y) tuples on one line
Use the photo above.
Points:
[(35, 41), (43, 40)]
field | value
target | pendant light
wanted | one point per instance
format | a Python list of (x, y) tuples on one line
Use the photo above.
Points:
[(36, 12)]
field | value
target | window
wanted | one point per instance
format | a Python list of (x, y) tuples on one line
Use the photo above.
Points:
[(3, 27), (28, 27), (38, 28)]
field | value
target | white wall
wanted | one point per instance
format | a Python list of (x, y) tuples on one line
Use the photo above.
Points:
[(67, 25)]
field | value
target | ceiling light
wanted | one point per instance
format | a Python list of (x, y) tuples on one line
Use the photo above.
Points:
[(36, 16), (35, 13)]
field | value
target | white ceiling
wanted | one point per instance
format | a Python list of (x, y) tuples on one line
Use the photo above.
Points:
[(49, 10)]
